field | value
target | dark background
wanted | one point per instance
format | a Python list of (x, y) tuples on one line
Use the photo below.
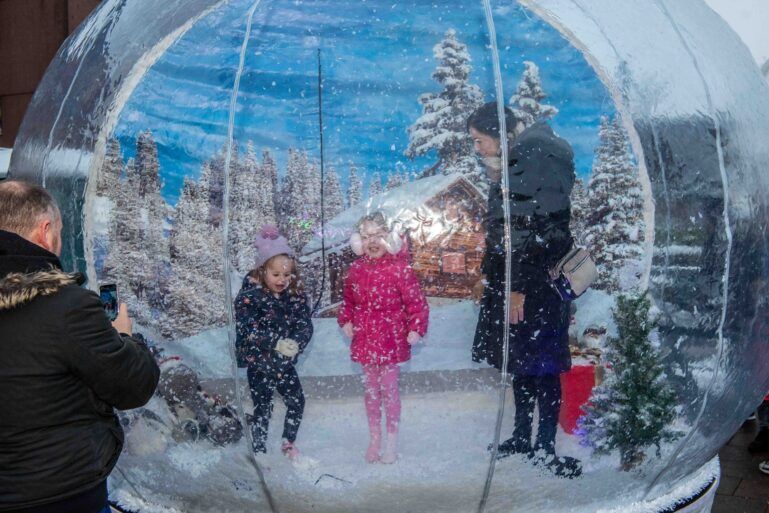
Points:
[(31, 32)]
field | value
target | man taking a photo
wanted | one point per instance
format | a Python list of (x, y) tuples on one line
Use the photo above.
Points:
[(63, 368)]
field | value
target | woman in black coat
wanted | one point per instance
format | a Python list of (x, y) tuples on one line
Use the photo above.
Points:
[(540, 177)]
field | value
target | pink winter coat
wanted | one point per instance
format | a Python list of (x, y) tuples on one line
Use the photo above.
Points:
[(384, 302)]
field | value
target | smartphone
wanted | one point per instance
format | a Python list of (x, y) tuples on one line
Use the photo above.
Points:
[(108, 296)]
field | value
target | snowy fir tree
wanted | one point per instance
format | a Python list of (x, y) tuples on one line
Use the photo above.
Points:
[(632, 410), (270, 170), (251, 206), (127, 262), (111, 169), (614, 226), (393, 180), (333, 200), (375, 185), (197, 287), (442, 125), (299, 200), (578, 211), (354, 188), (527, 100), (154, 217)]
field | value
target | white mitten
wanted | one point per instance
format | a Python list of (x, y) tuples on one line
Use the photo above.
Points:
[(287, 347)]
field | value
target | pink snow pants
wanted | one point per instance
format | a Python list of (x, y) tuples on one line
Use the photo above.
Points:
[(382, 387)]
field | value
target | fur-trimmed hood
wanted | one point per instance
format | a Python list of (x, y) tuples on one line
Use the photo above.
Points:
[(17, 289)]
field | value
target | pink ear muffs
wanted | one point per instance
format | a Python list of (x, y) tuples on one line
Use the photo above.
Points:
[(356, 243)]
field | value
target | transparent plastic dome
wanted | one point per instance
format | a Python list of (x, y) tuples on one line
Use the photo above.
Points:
[(170, 132)]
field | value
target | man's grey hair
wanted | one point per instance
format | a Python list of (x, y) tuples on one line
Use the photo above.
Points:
[(23, 205)]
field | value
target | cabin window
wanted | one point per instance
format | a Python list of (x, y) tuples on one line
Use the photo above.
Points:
[(453, 263)]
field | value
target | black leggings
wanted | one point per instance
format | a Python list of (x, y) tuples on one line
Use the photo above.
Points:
[(262, 386), (546, 392)]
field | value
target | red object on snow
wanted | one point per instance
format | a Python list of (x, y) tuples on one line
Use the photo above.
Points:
[(576, 387)]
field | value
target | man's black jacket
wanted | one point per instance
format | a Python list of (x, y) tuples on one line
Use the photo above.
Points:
[(63, 369)]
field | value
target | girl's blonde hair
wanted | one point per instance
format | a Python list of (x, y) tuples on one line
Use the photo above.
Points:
[(296, 287), (377, 218)]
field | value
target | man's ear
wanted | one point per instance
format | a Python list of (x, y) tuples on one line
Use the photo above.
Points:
[(44, 234)]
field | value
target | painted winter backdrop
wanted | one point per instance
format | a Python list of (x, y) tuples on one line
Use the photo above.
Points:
[(396, 109), (166, 253)]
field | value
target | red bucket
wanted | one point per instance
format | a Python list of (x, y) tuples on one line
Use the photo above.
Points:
[(576, 386)]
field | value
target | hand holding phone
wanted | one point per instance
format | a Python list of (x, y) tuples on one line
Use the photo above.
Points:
[(116, 311), (108, 296), (122, 322)]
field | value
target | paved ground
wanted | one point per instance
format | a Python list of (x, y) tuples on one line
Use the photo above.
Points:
[(743, 488)]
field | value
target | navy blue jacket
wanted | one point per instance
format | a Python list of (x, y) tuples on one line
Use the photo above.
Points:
[(261, 319)]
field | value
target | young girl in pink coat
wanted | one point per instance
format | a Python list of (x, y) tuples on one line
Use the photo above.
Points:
[(384, 312)]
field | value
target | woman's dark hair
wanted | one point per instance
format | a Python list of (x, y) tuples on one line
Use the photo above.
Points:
[(486, 120)]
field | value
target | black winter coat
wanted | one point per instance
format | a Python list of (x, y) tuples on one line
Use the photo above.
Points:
[(261, 319), (63, 368), (541, 176)]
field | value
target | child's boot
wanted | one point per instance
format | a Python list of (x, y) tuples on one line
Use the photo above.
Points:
[(372, 453), (289, 450), (390, 453)]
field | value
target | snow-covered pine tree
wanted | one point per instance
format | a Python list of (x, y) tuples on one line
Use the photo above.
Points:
[(578, 211), (527, 100), (355, 187), (154, 217), (270, 171), (287, 186), (442, 125), (394, 180), (375, 185), (197, 287), (614, 225), (127, 259), (333, 200), (111, 169), (251, 206), (634, 407), (300, 200)]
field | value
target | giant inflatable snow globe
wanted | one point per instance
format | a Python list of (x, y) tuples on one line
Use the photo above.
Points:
[(188, 141)]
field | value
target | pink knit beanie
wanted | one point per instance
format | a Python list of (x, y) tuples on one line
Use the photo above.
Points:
[(270, 243)]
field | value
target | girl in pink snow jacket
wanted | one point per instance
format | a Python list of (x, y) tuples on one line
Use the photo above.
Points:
[(384, 311)]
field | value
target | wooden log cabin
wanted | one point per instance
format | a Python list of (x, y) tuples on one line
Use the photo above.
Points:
[(441, 219)]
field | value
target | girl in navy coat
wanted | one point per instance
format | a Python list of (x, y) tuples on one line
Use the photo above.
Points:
[(273, 328)]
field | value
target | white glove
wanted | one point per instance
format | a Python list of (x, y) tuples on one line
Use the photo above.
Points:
[(413, 337), (287, 347)]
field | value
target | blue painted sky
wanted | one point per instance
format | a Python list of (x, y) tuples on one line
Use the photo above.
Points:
[(377, 59)]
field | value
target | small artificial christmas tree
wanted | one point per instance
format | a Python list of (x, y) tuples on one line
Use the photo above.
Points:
[(634, 407)]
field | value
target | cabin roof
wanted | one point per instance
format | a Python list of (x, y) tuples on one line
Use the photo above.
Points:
[(401, 205)]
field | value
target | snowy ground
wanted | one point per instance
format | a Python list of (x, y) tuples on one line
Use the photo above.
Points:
[(442, 467), (446, 346), (443, 459)]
